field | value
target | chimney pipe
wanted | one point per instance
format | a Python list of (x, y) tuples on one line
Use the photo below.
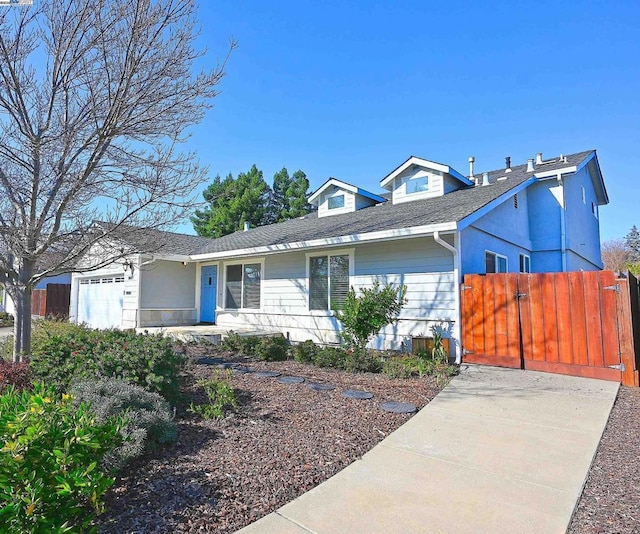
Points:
[(485, 178), (247, 225), (471, 162), (539, 158), (530, 165), (507, 162)]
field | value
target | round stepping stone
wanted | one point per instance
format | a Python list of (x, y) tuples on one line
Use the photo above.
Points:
[(357, 394), (398, 407), (210, 361), (227, 365), (244, 370), (321, 387), (291, 380), (268, 374)]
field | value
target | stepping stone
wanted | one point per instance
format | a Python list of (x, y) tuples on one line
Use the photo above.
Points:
[(398, 407), (268, 374), (357, 394), (321, 387), (210, 361), (244, 370), (226, 365), (291, 380)]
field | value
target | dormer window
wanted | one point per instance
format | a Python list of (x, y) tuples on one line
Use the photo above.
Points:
[(335, 202), (417, 185)]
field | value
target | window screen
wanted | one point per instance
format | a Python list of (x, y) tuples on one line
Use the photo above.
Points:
[(234, 287)]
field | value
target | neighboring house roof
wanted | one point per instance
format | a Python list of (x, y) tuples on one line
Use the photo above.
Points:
[(456, 207)]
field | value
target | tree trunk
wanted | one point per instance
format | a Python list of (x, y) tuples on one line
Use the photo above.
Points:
[(22, 299)]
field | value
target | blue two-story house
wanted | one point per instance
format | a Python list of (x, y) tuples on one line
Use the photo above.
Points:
[(428, 227)]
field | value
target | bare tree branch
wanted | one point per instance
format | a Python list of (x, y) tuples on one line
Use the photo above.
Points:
[(95, 97)]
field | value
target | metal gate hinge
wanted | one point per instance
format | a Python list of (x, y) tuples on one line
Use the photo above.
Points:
[(520, 295), (465, 351), (619, 366), (466, 287), (615, 287)]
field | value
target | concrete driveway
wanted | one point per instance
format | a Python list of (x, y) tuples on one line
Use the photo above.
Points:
[(498, 450)]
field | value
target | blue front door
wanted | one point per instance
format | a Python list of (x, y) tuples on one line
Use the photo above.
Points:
[(208, 291)]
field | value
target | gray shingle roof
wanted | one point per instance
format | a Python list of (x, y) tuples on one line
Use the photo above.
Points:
[(452, 207)]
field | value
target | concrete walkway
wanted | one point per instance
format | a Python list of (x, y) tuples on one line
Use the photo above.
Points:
[(497, 451)]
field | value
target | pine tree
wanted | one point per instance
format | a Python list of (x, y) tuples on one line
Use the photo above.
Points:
[(289, 199), (232, 202), (632, 239)]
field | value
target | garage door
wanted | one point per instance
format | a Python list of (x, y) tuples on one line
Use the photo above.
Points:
[(100, 301)]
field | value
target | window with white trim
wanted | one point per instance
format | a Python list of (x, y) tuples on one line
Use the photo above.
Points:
[(594, 209), (525, 263), (494, 263), (242, 286), (584, 195), (328, 281), (335, 202), (417, 185)]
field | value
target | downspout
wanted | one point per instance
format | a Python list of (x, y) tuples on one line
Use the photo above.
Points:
[(563, 226), (456, 270)]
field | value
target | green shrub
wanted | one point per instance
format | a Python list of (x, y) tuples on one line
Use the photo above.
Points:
[(409, 366), (272, 349), (220, 394), (335, 357), (6, 319), (362, 316), (305, 352), (398, 368), (14, 374), (50, 474), (149, 424), (363, 361), (74, 354), (234, 342)]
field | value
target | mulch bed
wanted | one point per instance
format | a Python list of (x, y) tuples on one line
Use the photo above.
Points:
[(610, 502), (284, 440)]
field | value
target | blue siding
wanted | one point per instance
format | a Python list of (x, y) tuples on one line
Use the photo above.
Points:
[(60, 279)]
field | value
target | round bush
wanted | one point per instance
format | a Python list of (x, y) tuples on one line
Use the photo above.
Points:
[(149, 418), (305, 352)]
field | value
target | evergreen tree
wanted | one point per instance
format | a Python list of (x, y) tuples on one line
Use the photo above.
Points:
[(232, 202), (632, 240), (289, 198)]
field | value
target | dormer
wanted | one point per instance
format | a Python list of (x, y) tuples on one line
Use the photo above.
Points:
[(335, 197), (419, 178)]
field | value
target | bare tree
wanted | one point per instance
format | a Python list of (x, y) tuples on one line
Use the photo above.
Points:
[(616, 255), (95, 97)]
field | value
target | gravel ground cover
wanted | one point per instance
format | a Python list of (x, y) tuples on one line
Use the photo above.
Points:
[(285, 439), (610, 502)]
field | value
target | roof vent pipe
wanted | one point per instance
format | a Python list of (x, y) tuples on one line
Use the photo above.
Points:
[(247, 225), (485, 178), (471, 162), (530, 165), (507, 162), (539, 158)]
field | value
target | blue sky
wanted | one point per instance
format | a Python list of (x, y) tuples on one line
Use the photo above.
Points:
[(351, 89)]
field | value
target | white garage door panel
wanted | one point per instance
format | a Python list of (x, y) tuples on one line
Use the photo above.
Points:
[(100, 301)]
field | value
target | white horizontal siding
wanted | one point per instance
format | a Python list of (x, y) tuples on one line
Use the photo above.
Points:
[(422, 265), (349, 203), (400, 194)]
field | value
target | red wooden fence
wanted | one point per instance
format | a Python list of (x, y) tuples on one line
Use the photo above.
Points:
[(577, 323)]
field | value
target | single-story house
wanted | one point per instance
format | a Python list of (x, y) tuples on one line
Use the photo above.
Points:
[(429, 226)]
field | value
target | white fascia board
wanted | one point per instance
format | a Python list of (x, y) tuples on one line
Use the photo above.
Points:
[(420, 162), (470, 219), (553, 174), (382, 235), (599, 177), (329, 183)]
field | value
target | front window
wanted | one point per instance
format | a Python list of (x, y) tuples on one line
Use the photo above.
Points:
[(417, 185), (335, 202), (328, 282), (242, 286), (495, 263), (525, 263)]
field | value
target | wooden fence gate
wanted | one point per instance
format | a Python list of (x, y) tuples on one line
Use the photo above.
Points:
[(575, 323), (52, 301)]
